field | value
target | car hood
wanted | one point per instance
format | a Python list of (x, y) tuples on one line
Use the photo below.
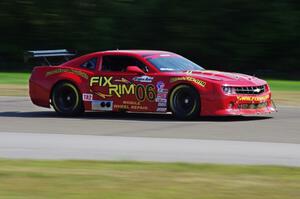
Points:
[(234, 79)]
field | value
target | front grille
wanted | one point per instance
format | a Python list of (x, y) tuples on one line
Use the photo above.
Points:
[(253, 106), (252, 90)]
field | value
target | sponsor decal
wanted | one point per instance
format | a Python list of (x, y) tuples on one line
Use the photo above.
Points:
[(123, 80), (101, 81), (131, 107), (160, 85), (87, 97), (142, 108), (163, 90), (121, 106), (190, 79), (101, 105), (253, 98), (161, 109), (102, 95), (162, 104), (113, 89), (132, 103), (143, 79), (123, 87), (159, 100), (162, 95), (67, 70)]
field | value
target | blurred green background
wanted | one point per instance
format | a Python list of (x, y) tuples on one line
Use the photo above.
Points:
[(254, 37)]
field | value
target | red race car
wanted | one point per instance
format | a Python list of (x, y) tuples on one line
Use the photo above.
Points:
[(144, 81)]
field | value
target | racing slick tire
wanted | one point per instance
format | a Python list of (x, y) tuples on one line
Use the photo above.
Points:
[(66, 100), (185, 102)]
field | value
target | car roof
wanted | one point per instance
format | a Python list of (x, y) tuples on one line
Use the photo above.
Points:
[(142, 53)]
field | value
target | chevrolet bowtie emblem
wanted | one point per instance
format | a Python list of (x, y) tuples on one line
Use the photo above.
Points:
[(257, 90)]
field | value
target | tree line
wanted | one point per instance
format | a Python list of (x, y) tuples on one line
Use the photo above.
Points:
[(233, 35)]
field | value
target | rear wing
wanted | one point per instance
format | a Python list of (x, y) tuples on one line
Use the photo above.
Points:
[(45, 54)]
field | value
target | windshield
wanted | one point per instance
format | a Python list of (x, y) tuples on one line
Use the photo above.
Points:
[(173, 63)]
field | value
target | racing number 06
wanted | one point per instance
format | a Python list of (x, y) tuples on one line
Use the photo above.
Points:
[(148, 92)]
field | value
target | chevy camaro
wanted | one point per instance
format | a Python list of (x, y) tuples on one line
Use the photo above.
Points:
[(144, 81)]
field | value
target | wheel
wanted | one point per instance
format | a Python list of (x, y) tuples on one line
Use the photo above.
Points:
[(185, 102), (66, 100)]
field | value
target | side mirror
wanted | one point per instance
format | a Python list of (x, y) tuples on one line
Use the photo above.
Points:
[(135, 69)]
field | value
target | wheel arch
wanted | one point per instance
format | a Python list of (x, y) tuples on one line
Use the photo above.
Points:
[(62, 81), (78, 107), (181, 84)]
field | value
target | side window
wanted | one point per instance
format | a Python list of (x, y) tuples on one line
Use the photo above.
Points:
[(90, 64), (120, 63)]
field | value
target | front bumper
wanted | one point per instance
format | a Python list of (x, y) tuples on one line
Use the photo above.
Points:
[(238, 105), (260, 111)]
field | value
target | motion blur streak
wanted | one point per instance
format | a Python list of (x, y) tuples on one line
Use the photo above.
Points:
[(54, 146), (228, 34)]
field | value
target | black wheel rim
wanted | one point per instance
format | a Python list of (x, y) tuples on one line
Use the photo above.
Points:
[(66, 99), (184, 101)]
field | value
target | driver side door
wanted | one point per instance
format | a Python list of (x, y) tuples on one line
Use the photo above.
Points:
[(116, 88)]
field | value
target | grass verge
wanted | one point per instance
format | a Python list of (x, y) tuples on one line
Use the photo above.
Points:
[(285, 92), (14, 78), (284, 85), (14, 90), (91, 179), (14, 84), (288, 98)]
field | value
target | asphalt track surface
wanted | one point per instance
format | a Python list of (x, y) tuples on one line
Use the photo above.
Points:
[(27, 131)]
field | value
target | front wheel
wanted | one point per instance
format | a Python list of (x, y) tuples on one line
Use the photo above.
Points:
[(66, 100), (185, 102)]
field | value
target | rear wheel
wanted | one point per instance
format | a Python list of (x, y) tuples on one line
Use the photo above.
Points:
[(185, 102), (66, 100)]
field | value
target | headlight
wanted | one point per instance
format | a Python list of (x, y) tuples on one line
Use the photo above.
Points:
[(266, 87), (228, 90)]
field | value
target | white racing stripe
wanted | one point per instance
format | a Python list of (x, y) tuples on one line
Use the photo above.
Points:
[(89, 147)]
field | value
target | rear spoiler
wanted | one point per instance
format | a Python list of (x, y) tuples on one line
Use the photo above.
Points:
[(45, 54)]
